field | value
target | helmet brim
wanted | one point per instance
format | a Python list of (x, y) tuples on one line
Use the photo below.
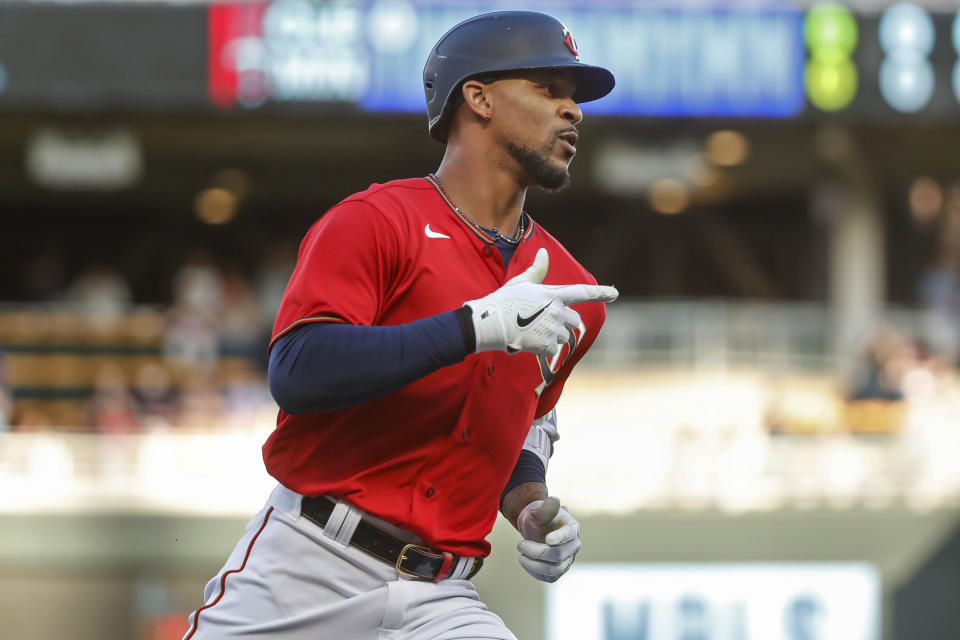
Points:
[(592, 83)]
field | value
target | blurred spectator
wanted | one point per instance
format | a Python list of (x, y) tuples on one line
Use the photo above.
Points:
[(920, 376), (241, 324), (883, 361), (938, 286), (155, 396), (202, 404), (939, 292), (6, 396), (102, 295), (99, 290), (244, 395), (112, 407), (192, 329), (272, 277)]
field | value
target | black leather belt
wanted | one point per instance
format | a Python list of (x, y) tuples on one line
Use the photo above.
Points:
[(411, 560)]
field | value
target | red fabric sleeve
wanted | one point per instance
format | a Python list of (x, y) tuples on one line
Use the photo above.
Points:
[(550, 395), (346, 264)]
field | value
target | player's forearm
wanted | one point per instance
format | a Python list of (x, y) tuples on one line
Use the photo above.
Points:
[(325, 367), (528, 468), (520, 496)]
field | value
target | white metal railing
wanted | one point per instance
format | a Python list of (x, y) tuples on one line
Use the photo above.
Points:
[(785, 336), (676, 333)]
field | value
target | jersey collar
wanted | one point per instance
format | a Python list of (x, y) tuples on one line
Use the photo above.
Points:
[(468, 224)]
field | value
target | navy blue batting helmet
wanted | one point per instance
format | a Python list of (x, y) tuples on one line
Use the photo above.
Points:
[(497, 42)]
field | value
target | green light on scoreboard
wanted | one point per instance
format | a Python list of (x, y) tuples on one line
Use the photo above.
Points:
[(830, 85), (830, 76)]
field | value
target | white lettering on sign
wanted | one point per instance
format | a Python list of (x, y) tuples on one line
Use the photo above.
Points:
[(670, 62), (329, 77), (301, 51), (727, 62), (758, 601)]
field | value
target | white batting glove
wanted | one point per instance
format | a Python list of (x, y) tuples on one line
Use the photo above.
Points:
[(524, 315), (551, 539)]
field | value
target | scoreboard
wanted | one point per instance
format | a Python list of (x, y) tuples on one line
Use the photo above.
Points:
[(761, 61), (755, 60)]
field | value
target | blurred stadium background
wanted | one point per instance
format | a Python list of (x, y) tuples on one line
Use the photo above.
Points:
[(765, 442)]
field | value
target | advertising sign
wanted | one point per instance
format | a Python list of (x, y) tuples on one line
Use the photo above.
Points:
[(704, 61), (837, 601)]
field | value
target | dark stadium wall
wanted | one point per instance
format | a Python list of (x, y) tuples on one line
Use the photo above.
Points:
[(926, 607)]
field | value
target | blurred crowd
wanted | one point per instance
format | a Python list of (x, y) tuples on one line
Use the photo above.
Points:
[(900, 362), (88, 357), (895, 367), (86, 354)]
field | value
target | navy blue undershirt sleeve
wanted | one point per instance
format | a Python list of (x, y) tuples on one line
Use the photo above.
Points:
[(529, 468), (326, 367)]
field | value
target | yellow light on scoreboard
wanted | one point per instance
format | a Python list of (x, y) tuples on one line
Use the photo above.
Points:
[(830, 85), (830, 76)]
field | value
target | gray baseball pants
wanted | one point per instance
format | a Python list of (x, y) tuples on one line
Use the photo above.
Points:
[(289, 578)]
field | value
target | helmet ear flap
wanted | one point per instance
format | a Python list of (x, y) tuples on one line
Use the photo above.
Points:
[(437, 126)]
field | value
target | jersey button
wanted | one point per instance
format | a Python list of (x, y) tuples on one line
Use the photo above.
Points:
[(487, 251), (465, 434), (430, 492), (490, 369)]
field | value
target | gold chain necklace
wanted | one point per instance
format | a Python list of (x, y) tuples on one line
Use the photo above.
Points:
[(521, 225)]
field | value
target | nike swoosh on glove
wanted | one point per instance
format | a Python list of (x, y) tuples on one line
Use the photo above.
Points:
[(551, 539), (525, 315)]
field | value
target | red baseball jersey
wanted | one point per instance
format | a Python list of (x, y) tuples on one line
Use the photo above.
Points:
[(434, 456)]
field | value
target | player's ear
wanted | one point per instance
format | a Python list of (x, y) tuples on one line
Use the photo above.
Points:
[(477, 97)]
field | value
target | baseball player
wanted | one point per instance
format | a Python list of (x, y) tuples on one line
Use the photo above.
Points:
[(421, 345)]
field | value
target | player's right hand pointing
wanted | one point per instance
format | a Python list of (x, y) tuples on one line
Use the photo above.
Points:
[(524, 315)]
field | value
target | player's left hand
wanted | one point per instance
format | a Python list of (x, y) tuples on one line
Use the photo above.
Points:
[(551, 539)]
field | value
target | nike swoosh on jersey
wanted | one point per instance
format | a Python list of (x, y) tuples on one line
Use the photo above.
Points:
[(433, 234), (522, 322)]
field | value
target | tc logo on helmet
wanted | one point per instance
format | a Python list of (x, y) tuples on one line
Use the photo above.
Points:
[(571, 43)]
